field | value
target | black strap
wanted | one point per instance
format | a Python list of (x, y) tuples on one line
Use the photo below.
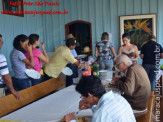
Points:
[(2, 85)]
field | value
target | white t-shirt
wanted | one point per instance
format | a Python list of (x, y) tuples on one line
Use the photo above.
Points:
[(3, 68)]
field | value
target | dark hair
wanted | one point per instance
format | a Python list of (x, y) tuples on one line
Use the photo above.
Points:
[(33, 38), (151, 36), (17, 40), (0, 35), (92, 85), (127, 35), (104, 36), (71, 42)]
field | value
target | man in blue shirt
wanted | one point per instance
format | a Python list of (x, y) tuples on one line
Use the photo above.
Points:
[(106, 107)]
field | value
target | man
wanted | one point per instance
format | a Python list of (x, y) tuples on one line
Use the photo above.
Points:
[(106, 107), (5, 78), (135, 84), (60, 59), (72, 79), (151, 53)]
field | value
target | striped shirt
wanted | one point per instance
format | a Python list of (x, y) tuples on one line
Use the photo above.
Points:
[(112, 107), (17, 63), (3, 68)]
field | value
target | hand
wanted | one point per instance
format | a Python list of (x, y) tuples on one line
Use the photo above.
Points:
[(16, 94), (115, 78), (84, 105), (29, 48), (69, 117), (77, 58), (42, 46), (81, 65)]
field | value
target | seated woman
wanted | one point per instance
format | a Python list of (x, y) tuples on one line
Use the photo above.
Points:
[(19, 62), (127, 48)]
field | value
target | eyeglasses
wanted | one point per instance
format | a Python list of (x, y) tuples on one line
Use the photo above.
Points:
[(82, 97), (117, 66)]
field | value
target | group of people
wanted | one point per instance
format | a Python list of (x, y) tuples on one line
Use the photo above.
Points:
[(151, 53), (105, 53), (136, 83), (25, 55)]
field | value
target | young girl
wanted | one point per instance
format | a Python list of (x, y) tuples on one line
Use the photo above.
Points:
[(19, 61), (38, 56)]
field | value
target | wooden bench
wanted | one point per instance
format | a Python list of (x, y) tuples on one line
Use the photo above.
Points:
[(148, 117), (9, 103)]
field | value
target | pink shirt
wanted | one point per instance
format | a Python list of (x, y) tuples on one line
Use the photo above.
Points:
[(37, 64)]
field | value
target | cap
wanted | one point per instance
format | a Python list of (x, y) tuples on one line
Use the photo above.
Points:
[(70, 36), (71, 42)]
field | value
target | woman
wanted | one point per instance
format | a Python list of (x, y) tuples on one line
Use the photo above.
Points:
[(102, 52), (19, 61), (38, 56), (127, 48)]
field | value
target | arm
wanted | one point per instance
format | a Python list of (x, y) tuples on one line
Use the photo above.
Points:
[(128, 85), (96, 52), (78, 64), (142, 56), (120, 50), (136, 52), (7, 79), (142, 53), (26, 61), (69, 117), (113, 51), (161, 56), (43, 57)]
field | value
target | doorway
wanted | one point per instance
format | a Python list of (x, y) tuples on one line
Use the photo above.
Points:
[(82, 31)]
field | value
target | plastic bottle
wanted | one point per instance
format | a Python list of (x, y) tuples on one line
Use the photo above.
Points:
[(86, 71), (96, 69)]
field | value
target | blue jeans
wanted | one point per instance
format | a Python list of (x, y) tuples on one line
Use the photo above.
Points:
[(151, 72), (69, 79), (35, 81), (21, 83), (105, 64)]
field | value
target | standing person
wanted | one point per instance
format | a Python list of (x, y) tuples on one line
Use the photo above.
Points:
[(38, 56), (127, 48), (151, 53), (102, 52), (106, 106), (72, 78), (19, 61), (60, 59), (5, 78)]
